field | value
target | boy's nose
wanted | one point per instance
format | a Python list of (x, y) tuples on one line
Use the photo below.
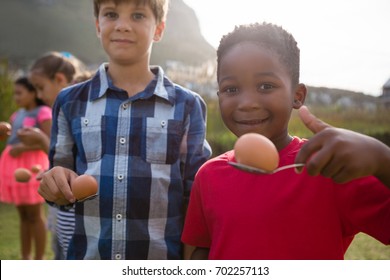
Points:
[(248, 101), (123, 24)]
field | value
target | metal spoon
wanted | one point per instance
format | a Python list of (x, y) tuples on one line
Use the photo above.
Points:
[(261, 171)]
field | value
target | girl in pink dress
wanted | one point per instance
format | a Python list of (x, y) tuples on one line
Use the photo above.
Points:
[(24, 195)]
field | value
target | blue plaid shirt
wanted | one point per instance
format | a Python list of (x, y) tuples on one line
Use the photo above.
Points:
[(144, 152)]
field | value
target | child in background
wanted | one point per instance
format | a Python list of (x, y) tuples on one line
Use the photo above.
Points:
[(49, 74), (238, 215), (34, 114), (140, 135)]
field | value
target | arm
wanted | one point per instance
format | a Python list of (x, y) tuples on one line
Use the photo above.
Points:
[(198, 150), (341, 154), (187, 249), (20, 148), (200, 254), (34, 137), (55, 183)]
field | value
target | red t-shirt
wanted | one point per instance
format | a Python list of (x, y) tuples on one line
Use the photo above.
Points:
[(240, 215)]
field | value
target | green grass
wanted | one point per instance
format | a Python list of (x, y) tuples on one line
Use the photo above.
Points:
[(362, 248), (9, 234), (365, 247)]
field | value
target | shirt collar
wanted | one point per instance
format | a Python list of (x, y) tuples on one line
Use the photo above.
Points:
[(101, 82)]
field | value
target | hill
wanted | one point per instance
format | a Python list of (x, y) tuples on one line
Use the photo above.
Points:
[(29, 28)]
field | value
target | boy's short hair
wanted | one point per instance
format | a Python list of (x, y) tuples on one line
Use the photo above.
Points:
[(159, 7), (266, 35)]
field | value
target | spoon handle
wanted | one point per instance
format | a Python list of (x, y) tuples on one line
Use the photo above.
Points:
[(260, 171), (289, 166)]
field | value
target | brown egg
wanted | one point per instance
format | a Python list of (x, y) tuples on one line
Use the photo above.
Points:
[(5, 130), (36, 168), (257, 151), (22, 175), (84, 186)]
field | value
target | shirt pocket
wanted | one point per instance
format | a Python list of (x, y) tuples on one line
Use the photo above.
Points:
[(89, 133), (162, 140)]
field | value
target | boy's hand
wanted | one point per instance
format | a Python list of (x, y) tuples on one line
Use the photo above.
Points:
[(340, 154), (55, 185)]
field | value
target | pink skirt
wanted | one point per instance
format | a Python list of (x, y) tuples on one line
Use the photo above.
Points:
[(20, 193)]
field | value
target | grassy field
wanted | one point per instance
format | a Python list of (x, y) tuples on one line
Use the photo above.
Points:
[(9, 234), (362, 248)]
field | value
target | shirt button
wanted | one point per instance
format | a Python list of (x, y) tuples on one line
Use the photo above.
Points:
[(118, 256), (125, 106), (118, 217), (120, 177), (122, 140), (86, 121), (163, 123)]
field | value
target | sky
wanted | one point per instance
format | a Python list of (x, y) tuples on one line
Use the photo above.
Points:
[(344, 44)]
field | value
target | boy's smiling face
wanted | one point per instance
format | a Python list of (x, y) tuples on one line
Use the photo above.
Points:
[(256, 92), (127, 31)]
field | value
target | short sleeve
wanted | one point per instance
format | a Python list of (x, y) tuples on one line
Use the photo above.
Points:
[(44, 114), (368, 208), (196, 232)]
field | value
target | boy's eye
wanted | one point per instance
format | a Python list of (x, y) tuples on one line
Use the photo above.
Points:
[(263, 87), (138, 16), (229, 90), (111, 15)]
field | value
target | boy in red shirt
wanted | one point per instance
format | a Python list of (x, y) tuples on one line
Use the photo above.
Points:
[(285, 215)]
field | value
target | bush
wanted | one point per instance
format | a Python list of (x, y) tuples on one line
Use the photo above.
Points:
[(374, 124), (7, 105)]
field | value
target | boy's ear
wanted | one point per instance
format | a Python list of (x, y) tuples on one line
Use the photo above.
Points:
[(97, 28), (299, 96), (158, 33)]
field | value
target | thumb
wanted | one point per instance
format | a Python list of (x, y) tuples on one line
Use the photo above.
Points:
[(311, 121)]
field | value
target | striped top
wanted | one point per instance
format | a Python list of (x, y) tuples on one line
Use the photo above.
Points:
[(64, 229), (144, 152)]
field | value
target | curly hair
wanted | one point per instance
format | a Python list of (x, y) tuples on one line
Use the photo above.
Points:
[(266, 35)]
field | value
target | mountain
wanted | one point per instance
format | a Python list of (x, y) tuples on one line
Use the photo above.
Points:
[(182, 40), (29, 28)]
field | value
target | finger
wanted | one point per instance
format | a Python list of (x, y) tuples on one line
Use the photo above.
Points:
[(307, 150), (45, 191), (62, 182), (319, 161), (61, 201), (39, 175), (341, 177), (51, 195), (55, 186), (311, 122), (332, 168)]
